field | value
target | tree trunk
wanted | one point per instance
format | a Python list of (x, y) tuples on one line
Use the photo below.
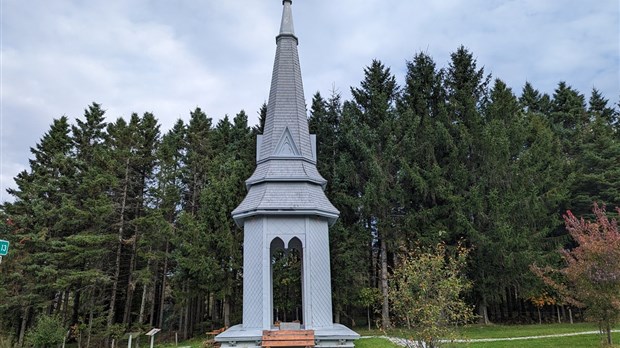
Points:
[(608, 330), (90, 319), (143, 304), (557, 309), (22, 329), (368, 314), (192, 316), (385, 311), (163, 288), (186, 309), (153, 295), (539, 317), (570, 314), (75, 316), (180, 323), (90, 326), (130, 281), (65, 306), (144, 293), (484, 310), (119, 248)]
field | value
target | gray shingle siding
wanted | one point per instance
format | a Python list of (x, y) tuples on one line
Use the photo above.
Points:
[(285, 183)]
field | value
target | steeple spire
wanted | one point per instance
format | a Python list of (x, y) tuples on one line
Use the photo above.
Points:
[(286, 178), (286, 27)]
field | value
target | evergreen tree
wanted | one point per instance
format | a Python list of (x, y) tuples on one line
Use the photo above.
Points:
[(373, 111), (262, 115), (467, 95), (532, 101), (168, 199), (193, 262), (596, 169), (231, 166), (95, 181), (348, 243), (36, 282), (198, 155), (427, 142)]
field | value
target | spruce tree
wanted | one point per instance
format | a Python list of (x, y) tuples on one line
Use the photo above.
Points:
[(372, 137), (596, 169), (424, 136), (38, 276)]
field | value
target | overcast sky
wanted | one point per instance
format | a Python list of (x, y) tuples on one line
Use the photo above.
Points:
[(168, 57)]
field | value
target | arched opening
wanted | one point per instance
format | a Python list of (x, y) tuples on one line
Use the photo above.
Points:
[(286, 271)]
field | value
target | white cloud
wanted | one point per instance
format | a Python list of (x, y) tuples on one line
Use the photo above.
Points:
[(169, 57)]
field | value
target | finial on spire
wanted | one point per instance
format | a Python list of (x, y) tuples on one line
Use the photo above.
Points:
[(286, 27)]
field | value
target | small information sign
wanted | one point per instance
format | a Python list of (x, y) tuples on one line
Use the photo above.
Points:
[(153, 332), (4, 247)]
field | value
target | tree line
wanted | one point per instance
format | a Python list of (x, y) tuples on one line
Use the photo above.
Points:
[(116, 226)]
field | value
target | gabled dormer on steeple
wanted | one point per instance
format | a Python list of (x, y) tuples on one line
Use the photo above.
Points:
[(286, 146)]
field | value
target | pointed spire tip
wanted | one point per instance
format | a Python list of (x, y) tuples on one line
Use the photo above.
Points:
[(286, 27)]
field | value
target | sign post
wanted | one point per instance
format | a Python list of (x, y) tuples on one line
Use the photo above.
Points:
[(130, 336), (152, 334)]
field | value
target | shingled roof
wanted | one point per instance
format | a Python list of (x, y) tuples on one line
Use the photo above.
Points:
[(286, 181)]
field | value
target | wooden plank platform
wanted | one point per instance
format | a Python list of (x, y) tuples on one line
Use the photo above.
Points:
[(288, 338)]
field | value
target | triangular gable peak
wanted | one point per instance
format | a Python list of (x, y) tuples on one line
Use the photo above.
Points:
[(286, 146)]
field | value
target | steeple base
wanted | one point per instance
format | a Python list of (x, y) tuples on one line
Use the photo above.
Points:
[(338, 336)]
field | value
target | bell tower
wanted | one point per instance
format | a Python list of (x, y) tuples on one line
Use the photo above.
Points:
[(286, 207)]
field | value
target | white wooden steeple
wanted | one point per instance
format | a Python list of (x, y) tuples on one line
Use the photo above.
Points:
[(286, 208)]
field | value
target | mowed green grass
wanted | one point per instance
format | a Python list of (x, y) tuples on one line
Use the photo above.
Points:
[(361, 343), (582, 341), (374, 343), (496, 331), (193, 343), (506, 331), (481, 332)]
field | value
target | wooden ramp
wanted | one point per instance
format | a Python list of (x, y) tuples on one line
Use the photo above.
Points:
[(288, 338)]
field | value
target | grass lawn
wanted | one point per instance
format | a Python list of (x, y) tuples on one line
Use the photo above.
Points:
[(582, 341), (504, 331), (495, 331), (361, 343), (374, 343), (193, 343), (480, 332)]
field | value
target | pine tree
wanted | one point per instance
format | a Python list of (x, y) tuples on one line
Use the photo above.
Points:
[(373, 110), (467, 95), (198, 154), (230, 167), (262, 115), (425, 136), (532, 101), (597, 156), (348, 243), (168, 198), (38, 280), (97, 210), (194, 263)]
